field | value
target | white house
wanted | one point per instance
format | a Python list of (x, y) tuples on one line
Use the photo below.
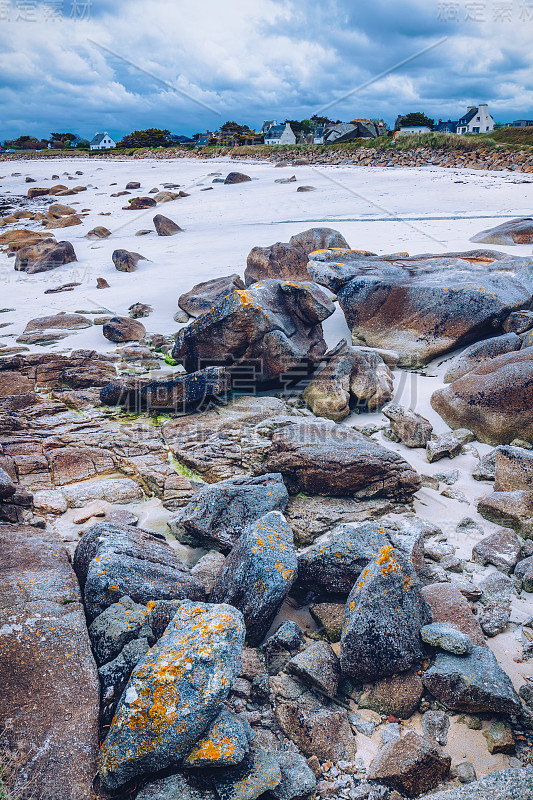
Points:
[(102, 141), (476, 120), (280, 134), (414, 129)]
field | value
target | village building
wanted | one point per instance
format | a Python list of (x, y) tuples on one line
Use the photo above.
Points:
[(476, 120), (102, 141), (280, 134)]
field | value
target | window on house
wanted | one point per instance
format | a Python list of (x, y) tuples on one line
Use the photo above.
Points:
[(475, 130)]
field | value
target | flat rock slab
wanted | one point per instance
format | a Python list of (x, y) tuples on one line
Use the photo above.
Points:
[(220, 443), (494, 400), (178, 393), (449, 606), (472, 683), (509, 784), (69, 322), (218, 514), (50, 689), (511, 509), (423, 306), (314, 456), (320, 458)]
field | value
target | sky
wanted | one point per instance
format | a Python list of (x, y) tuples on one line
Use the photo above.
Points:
[(87, 67)]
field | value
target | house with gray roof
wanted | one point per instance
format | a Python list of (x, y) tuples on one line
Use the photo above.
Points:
[(102, 141), (476, 120), (450, 126), (280, 134)]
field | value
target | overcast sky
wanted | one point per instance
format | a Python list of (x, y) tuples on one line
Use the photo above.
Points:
[(252, 60)]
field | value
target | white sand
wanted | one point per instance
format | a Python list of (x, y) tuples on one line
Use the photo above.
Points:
[(223, 224)]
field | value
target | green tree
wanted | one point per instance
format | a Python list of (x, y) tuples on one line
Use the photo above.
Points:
[(414, 119), (151, 137), (233, 126), (63, 137), (22, 141), (321, 121), (307, 126)]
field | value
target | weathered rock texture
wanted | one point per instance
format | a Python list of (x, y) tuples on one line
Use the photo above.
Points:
[(44, 256), (473, 683), (423, 306), (495, 400), (258, 574), (113, 560), (516, 231), (509, 784), (218, 514), (349, 373), (269, 328), (205, 295), (318, 458), (480, 352), (372, 646), (50, 690), (288, 260), (413, 764), (264, 435), (174, 693)]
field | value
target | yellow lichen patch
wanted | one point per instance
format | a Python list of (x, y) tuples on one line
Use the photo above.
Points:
[(244, 298), (285, 571), (387, 561), (163, 710), (364, 575), (213, 750)]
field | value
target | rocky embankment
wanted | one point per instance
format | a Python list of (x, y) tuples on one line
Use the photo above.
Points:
[(300, 628), (501, 158), (487, 159)]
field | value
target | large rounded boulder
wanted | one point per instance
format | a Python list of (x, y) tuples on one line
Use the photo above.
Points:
[(288, 260), (269, 329), (426, 305), (495, 400)]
